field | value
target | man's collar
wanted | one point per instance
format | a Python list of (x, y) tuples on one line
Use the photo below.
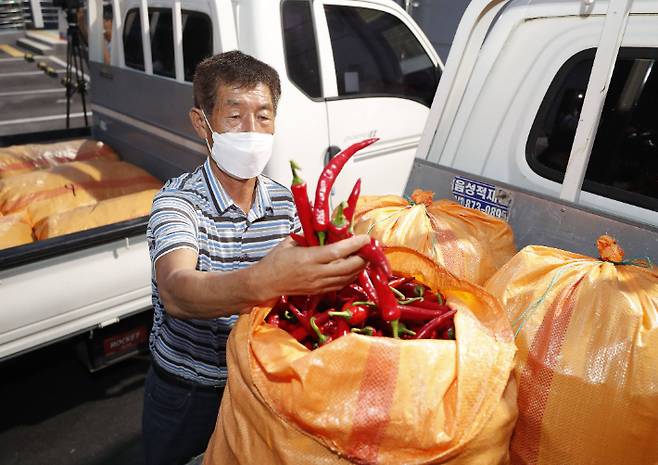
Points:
[(222, 200)]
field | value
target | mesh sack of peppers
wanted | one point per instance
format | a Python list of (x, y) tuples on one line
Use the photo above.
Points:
[(471, 244), (587, 364), (365, 396)]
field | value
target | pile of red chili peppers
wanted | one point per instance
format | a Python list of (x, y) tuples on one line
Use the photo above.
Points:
[(377, 303)]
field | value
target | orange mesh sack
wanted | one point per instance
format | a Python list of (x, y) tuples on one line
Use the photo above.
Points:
[(105, 212), (372, 400), (19, 159), (469, 243), (15, 230), (587, 365), (47, 192)]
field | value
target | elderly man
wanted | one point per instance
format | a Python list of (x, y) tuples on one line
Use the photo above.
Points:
[(218, 243)]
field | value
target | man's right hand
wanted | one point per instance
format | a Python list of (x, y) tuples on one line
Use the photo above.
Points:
[(293, 270)]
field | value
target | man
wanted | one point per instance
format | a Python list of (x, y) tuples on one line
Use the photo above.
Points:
[(213, 238)]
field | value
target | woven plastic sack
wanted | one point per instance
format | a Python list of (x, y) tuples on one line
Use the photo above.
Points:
[(47, 192), (588, 357), (15, 230), (105, 212), (19, 159), (372, 400), (469, 243)]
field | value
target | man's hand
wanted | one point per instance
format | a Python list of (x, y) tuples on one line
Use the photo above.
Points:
[(292, 270)]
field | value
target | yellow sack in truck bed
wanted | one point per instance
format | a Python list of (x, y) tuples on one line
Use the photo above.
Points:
[(372, 400), (55, 190), (15, 230), (19, 159), (587, 365), (469, 243), (104, 212)]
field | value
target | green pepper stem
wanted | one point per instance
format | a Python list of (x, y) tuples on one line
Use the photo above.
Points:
[(339, 218), (397, 293), (321, 337), (396, 328), (419, 290), (289, 316), (322, 237), (368, 330), (295, 177), (404, 330), (345, 314), (439, 298), (411, 300), (363, 302)]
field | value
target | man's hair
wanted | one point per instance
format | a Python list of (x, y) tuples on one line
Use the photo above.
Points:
[(232, 68)]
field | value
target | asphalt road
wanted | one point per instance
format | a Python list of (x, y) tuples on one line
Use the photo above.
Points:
[(55, 412), (30, 100)]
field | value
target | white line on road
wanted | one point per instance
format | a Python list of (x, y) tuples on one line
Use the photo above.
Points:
[(28, 73), (63, 63), (30, 92), (41, 118), (36, 57)]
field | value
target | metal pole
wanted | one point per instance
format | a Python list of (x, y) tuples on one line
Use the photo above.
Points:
[(597, 89)]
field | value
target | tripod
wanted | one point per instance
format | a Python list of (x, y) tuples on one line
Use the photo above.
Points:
[(74, 80)]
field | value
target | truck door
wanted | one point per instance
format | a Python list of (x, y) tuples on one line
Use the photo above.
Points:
[(379, 74)]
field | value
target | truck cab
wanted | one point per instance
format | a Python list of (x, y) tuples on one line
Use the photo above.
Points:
[(349, 70)]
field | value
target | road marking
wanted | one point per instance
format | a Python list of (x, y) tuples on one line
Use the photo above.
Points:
[(41, 118), (63, 63), (27, 73), (30, 92), (36, 57), (11, 51)]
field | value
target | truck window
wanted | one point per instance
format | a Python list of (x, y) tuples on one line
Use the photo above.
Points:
[(376, 54), (132, 40), (162, 41), (197, 40), (624, 160), (300, 47)]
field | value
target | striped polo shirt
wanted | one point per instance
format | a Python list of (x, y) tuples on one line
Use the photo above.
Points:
[(194, 211)]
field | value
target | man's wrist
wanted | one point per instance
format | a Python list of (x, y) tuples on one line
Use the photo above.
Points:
[(256, 284)]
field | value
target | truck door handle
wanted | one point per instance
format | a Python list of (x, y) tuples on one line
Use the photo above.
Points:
[(331, 152)]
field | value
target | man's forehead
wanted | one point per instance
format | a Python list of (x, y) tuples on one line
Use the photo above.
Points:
[(235, 94)]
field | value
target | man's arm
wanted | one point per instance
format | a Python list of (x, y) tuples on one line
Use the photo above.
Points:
[(286, 270)]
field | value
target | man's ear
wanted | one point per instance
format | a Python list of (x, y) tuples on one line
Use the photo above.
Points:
[(199, 124)]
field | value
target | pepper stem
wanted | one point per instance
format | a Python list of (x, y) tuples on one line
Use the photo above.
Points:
[(397, 293), (321, 337), (295, 177), (404, 330), (345, 314), (322, 237), (439, 298), (364, 302), (409, 301), (368, 330), (395, 326), (339, 218), (419, 290)]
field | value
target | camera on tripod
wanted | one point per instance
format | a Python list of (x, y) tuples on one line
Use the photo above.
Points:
[(74, 80)]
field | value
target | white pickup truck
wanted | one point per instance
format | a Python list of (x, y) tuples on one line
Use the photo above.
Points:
[(515, 126), (348, 69)]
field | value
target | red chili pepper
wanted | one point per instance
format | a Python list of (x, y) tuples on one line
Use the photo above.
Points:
[(352, 292), (398, 281), (366, 283), (354, 314), (339, 227), (386, 301), (374, 254), (301, 317), (295, 330), (433, 325), (431, 305), (326, 182), (273, 319), (351, 202), (304, 210), (342, 328), (301, 240), (415, 313)]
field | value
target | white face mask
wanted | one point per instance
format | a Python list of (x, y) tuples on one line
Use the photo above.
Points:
[(242, 155)]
